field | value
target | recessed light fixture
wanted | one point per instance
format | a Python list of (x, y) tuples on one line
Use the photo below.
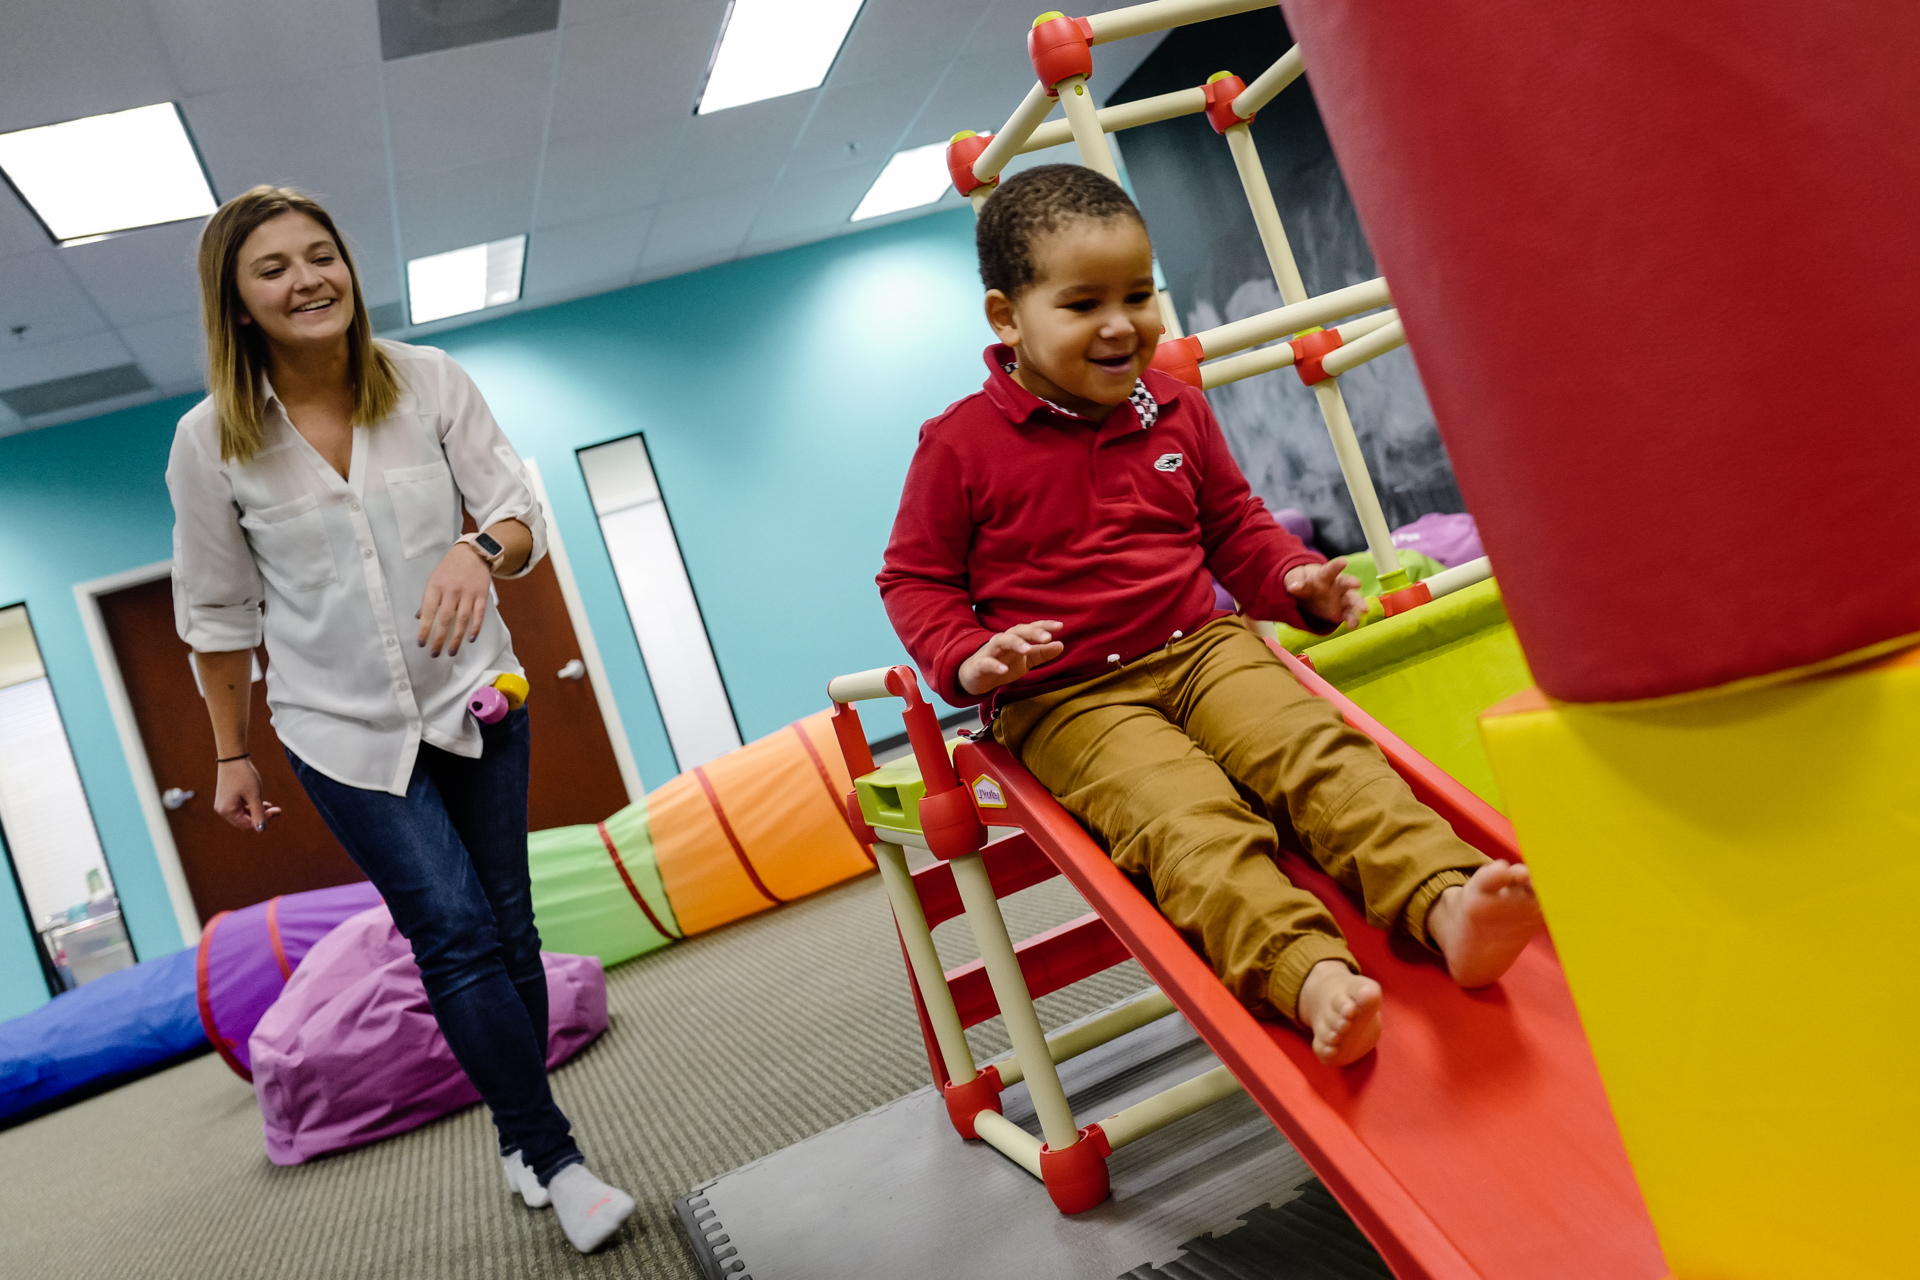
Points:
[(911, 179), (101, 174), (770, 48), (463, 280)]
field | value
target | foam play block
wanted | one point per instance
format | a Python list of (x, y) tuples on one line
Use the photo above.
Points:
[(756, 827), (1730, 883), (1428, 673), (1642, 251)]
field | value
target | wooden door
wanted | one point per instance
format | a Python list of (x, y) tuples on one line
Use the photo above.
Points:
[(575, 777), (225, 869)]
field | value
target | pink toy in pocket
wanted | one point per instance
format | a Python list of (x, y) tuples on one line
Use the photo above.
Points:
[(351, 1054), (488, 705)]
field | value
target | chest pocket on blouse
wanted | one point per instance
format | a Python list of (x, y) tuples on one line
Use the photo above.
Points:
[(426, 507), (290, 544)]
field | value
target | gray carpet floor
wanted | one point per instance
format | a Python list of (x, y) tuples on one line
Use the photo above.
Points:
[(721, 1049)]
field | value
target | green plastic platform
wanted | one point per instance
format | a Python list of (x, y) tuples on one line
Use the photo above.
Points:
[(1429, 673)]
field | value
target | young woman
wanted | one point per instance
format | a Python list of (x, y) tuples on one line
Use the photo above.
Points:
[(324, 478)]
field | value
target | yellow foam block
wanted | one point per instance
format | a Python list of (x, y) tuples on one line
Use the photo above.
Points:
[(1732, 884)]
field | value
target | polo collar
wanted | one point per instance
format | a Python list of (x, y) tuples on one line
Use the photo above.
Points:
[(1020, 405)]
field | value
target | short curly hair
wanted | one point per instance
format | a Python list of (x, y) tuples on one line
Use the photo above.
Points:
[(1033, 203)]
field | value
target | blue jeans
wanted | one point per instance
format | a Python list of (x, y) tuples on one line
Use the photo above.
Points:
[(450, 858)]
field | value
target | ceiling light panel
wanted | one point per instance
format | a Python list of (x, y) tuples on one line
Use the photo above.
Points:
[(770, 48), (470, 279), (102, 174), (911, 179)]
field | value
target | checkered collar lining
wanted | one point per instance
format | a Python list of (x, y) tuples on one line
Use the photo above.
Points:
[(1144, 405)]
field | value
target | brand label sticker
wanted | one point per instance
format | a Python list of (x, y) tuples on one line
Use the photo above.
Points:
[(987, 793), (1168, 462)]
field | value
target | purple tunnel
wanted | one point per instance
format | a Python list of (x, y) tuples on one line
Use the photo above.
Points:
[(246, 957)]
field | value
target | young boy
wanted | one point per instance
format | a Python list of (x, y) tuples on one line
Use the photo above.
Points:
[(1050, 560)]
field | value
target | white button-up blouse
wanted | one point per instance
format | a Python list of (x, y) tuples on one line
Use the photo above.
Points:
[(341, 566)]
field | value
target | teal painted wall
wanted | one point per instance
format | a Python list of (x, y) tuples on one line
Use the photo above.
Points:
[(780, 397)]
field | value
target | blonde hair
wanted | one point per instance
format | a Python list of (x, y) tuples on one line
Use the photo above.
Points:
[(237, 353)]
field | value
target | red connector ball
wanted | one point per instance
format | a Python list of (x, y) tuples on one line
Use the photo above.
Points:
[(1221, 88), (962, 151), (1179, 358), (1060, 47), (1309, 349)]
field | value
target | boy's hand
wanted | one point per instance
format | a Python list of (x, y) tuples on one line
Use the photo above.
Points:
[(1326, 592), (1010, 655)]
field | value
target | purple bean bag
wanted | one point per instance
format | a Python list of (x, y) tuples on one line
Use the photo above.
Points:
[(350, 1053), (1450, 538), (247, 956)]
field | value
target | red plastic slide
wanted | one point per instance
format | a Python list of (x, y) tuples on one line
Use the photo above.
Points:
[(1476, 1141)]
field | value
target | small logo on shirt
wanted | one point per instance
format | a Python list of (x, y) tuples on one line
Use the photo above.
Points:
[(987, 793), (1168, 462)]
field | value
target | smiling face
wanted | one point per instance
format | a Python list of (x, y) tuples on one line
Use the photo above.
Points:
[(294, 286), (1087, 326)]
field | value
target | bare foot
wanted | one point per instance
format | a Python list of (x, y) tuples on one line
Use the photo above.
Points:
[(1481, 927), (1343, 1009)]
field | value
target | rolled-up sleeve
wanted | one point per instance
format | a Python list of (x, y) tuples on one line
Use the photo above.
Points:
[(216, 585), (493, 481)]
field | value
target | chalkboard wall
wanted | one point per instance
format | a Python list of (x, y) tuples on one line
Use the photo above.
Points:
[(1184, 179)]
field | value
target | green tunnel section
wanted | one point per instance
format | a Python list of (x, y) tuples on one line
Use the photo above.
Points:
[(582, 904), (1429, 673)]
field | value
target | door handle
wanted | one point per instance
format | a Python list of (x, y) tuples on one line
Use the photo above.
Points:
[(574, 670), (174, 797)]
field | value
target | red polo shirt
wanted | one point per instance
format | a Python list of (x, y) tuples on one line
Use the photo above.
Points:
[(1015, 510)]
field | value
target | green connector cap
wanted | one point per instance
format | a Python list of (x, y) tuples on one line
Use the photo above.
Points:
[(1048, 16), (1218, 76)]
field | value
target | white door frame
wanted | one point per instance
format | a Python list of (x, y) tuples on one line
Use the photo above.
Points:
[(147, 787), (589, 648), (165, 852)]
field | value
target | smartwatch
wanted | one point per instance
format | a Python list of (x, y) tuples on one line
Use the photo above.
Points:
[(489, 550)]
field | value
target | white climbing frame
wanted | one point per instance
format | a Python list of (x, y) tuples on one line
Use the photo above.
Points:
[(1086, 126)]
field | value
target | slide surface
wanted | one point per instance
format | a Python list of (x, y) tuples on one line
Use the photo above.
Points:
[(1477, 1141)]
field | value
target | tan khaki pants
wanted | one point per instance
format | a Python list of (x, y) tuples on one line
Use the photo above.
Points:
[(1148, 756)]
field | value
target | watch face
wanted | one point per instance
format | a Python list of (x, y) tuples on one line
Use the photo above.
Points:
[(487, 545)]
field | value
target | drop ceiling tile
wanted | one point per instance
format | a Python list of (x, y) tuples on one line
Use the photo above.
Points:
[(320, 133), (817, 200), (365, 218), (223, 44), (171, 351), (26, 366), (36, 290), (911, 37), (979, 93), (460, 106), (140, 275), (20, 231), (859, 121), (699, 231), (585, 257), (470, 205), (639, 71), (61, 61), (600, 174), (735, 148)]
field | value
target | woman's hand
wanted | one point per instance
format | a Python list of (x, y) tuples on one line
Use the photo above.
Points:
[(236, 796), (1010, 655), (1323, 590), (455, 603)]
